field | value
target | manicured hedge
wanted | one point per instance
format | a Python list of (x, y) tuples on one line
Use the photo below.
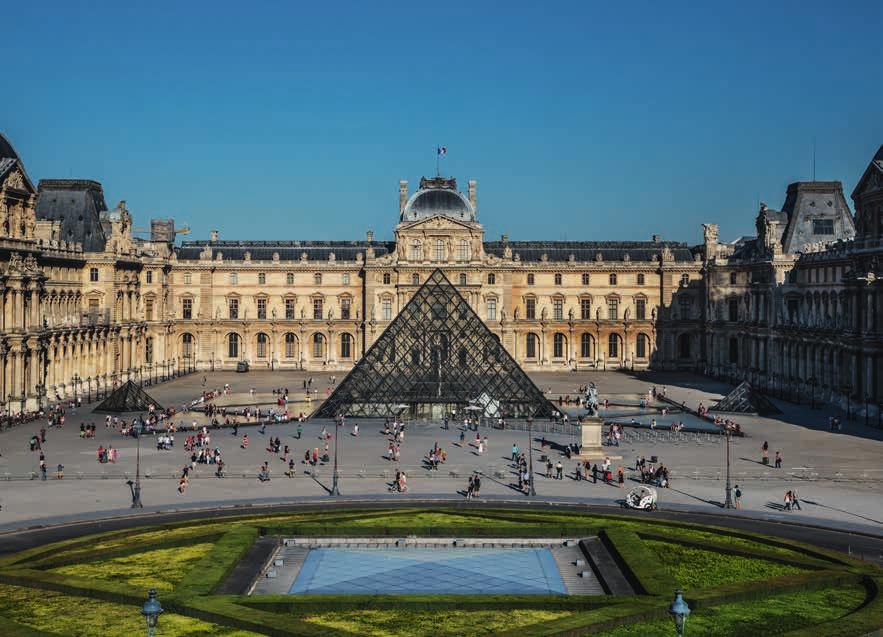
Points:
[(637, 562), (345, 530), (868, 620), (210, 571)]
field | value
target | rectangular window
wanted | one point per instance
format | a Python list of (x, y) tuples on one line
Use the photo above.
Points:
[(733, 310), (289, 278), (262, 308), (439, 250), (233, 305), (317, 309), (558, 309), (149, 276), (823, 227), (188, 278), (93, 274), (585, 309), (612, 309), (492, 309), (640, 309), (234, 278), (148, 310), (684, 302), (641, 346), (463, 251), (530, 308), (187, 308), (262, 278), (386, 309), (289, 309), (345, 308)]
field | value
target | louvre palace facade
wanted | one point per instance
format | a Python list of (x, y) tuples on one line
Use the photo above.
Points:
[(87, 303)]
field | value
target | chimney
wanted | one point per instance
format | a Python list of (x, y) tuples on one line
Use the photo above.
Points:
[(656, 238), (473, 194), (403, 194), (214, 235), (369, 236)]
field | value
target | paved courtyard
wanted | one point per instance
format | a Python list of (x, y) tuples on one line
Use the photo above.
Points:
[(838, 475)]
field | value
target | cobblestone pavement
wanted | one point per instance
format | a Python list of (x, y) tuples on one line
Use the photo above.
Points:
[(838, 475)]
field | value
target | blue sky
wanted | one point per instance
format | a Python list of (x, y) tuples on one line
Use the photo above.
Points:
[(579, 120)]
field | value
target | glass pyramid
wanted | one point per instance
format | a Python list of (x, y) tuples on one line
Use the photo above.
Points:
[(437, 357)]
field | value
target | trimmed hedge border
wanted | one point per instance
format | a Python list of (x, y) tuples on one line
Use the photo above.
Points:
[(214, 567), (867, 620), (342, 530), (637, 562)]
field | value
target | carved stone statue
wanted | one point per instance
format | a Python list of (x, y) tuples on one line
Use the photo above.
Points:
[(710, 232)]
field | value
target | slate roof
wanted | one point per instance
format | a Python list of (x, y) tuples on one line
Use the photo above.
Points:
[(9, 158), (287, 250), (78, 205), (588, 250)]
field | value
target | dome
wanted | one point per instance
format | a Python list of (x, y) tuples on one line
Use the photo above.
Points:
[(429, 202)]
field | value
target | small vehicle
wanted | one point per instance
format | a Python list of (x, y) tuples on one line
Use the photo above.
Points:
[(641, 497), (241, 367)]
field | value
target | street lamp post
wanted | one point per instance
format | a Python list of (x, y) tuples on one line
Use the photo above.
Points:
[(335, 488), (679, 611), (531, 490), (728, 489), (812, 395), (151, 612), (136, 486), (847, 389)]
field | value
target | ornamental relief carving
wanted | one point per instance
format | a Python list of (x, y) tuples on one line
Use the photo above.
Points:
[(15, 180)]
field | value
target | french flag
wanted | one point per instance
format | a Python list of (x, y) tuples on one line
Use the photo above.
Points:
[(442, 151)]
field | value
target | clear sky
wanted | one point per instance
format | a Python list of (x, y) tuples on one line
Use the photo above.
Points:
[(583, 120)]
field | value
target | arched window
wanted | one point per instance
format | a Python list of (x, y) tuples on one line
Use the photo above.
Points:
[(585, 279), (613, 346), (585, 346), (684, 346), (734, 350), (463, 250), (491, 279), (416, 251), (558, 343), (233, 345), (439, 250), (289, 278), (386, 278), (557, 278), (641, 346), (531, 346), (318, 346), (346, 345), (415, 279), (612, 279), (492, 309), (317, 279), (290, 345), (640, 279), (462, 279), (263, 340), (187, 345), (530, 279)]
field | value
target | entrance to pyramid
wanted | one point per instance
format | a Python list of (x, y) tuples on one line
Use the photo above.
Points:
[(437, 357)]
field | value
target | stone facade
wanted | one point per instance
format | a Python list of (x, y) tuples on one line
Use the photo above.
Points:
[(798, 310)]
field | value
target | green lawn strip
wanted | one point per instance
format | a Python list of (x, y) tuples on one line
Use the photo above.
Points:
[(72, 585), (49, 613), (453, 623), (304, 604), (724, 545), (694, 568), (208, 572), (768, 616), (588, 623), (864, 621), (161, 568), (642, 567), (9, 628), (454, 530), (222, 609)]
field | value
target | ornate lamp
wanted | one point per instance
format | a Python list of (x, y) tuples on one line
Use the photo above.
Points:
[(151, 612), (679, 612)]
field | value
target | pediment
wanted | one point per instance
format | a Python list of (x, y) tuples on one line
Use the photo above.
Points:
[(438, 222)]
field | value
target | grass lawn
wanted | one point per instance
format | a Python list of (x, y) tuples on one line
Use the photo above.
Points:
[(75, 616), (161, 569), (694, 568), (394, 623), (770, 616)]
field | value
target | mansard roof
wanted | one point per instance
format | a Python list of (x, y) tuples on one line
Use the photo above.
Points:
[(78, 204), (589, 250), (809, 200), (287, 250), (9, 158), (438, 196)]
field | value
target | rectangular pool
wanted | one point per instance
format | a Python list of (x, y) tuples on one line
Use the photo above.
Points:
[(445, 570)]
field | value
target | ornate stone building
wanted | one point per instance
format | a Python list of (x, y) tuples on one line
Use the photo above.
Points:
[(86, 304), (798, 309)]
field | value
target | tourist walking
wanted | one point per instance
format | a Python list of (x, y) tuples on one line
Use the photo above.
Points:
[(795, 500), (778, 463), (765, 452), (559, 471), (738, 493)]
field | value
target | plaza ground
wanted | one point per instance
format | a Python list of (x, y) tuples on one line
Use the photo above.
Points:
[(838, 474)]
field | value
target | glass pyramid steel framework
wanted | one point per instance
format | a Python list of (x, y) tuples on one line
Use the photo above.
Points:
[(437, 357)]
